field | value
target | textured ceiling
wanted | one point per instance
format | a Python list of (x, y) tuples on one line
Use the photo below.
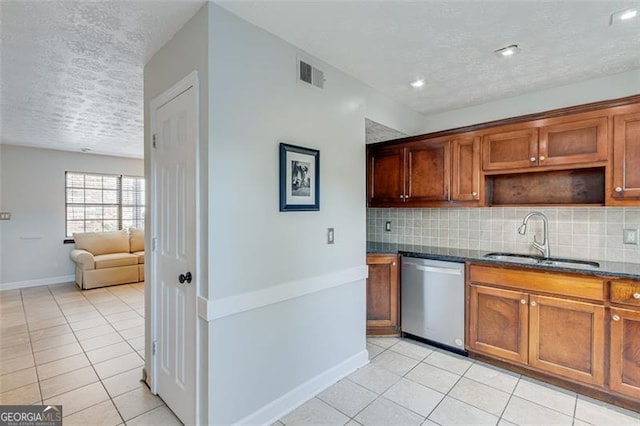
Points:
[(71, 72), (376, 132), (450, 44)]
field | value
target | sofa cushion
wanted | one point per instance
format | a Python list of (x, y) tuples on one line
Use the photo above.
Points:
[(140, 255), (115, 259), (98, 243), (137, 240)]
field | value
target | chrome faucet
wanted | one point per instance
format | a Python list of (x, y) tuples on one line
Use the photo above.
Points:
[(541, 247)]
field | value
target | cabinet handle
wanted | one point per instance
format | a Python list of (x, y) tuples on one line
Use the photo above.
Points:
[(618, 189), (616, 317), (523, 302), (533, 303), (542, 158), (402, 196), (474, 193), (393, 264), (533, 159), (636, 295)]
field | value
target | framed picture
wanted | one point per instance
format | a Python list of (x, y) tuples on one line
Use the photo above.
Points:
[(299, 178)]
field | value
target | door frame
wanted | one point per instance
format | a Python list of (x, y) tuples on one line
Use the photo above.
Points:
[(189, 81)]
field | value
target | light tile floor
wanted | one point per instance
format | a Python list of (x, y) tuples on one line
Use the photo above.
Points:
[(81, 349), (85, 350), (408, 383)]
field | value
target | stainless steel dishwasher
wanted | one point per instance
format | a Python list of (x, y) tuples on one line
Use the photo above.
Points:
[(432, 302)]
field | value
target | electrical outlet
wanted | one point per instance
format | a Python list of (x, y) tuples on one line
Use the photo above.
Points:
[(630, 236), (5, 216), (330, 236), (387, 226)]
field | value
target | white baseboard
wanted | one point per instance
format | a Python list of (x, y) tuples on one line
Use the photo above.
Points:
[(38, 282), (282, 406)]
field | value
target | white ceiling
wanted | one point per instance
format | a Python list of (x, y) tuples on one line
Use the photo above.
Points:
[(71, 72)]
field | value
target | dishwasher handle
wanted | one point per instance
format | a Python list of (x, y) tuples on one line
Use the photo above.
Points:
[(433, 269)]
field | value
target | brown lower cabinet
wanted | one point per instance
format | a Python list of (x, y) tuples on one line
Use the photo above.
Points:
[(383, 301), (550, 322), (579, 331), (555, 335), (625, 352)]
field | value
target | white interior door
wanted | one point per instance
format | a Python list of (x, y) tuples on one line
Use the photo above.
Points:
[(175, 254)]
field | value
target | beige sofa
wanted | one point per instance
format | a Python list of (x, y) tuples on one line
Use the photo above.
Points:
[(108, 258)]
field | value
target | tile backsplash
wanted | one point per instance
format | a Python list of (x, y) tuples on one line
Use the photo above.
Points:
[(593, 233)]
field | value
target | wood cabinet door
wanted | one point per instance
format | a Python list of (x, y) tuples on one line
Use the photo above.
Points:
[(567, 338), (382, 294), (626, 156), (572, 142), (386, 176), (499, 323), (624, 376), (465, 173), (510, 150), (428, 171)]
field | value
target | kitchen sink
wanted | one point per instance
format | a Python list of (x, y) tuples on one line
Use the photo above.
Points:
[(568, 263), (511, 257), (534, 260)]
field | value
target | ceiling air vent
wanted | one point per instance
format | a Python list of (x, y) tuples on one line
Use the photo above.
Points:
[(310, 74)]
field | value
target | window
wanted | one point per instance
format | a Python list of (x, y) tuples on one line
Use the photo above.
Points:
[(102, 203)]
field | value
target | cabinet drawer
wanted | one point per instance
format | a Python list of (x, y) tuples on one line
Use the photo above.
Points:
[(591, 288), (625, 292)]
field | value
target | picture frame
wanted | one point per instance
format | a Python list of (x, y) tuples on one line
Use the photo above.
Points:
[(299, 178)]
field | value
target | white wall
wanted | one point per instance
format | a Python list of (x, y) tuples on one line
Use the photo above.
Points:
[(599, 89), (262, 354), (187, 51), (286, 310), (383, 110), (32, 189)]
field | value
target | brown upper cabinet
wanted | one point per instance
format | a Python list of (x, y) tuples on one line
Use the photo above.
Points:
[(626, 156), (510, 149), (385, 175), (584, 155), (465, 171), (412, 173), (553, 142)]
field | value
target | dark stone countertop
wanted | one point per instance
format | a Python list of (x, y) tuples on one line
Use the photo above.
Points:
[(612, 269)]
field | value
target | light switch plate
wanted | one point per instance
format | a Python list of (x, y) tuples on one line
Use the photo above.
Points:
[(630, 236), (330, 236), (387, 226), (5, 216)]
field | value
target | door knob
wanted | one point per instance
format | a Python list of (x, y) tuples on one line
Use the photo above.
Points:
[(182, 278)]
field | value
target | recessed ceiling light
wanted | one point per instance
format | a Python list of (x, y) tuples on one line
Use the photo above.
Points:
[(623, 15), (507, 51), (417, 84)]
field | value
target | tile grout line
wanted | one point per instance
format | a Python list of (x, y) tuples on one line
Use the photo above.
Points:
[(136, 352), (26, 320), (100, 379), (90, 363), (57, 302)]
